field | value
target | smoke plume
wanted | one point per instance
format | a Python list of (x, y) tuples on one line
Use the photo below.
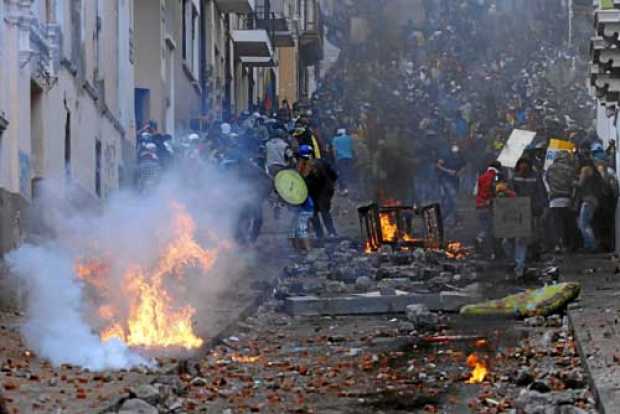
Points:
[(63, 310)]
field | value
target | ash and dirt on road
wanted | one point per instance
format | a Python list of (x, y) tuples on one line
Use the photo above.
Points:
[(274, 362)]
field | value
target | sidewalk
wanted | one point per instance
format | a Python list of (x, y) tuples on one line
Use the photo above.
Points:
[(594, 320)]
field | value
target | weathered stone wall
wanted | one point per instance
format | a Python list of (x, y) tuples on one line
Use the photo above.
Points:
[(12, 223), (12, 220)]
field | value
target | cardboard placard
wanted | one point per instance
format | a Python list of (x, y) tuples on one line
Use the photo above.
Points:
[(555, 147), (512, 218), (516, 144)]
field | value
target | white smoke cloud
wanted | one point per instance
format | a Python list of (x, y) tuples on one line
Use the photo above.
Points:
[(62, 323), (55, 328)]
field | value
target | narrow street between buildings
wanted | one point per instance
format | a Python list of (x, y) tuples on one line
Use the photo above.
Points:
[(309, 206)]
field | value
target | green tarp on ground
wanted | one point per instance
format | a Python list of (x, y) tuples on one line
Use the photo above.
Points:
[(543, 302)]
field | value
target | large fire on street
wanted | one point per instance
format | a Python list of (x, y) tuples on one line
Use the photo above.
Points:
[(152, 316)]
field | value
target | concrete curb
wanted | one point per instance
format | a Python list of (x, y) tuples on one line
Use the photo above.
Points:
[(584, 361)]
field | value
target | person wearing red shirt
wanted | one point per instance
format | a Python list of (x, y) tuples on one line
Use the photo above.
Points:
[(484, 205)]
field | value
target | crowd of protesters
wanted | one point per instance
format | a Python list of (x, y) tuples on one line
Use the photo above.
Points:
[(257, 146), (436, 112), (572, 203), (422, 121)]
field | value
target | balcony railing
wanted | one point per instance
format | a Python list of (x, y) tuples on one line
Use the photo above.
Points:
[(255, 37), (276, 25), (261, 21), (44, 51)]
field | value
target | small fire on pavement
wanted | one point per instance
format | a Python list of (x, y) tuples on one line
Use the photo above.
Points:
[(456, 250), (479, 369), (141, 307), (246, 359)]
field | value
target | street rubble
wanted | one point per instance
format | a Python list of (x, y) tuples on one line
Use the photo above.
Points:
[(416, 361)]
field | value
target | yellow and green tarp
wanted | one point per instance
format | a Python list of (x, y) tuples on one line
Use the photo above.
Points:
[(541, 302)]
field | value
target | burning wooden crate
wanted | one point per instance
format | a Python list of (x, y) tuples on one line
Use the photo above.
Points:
[(395, 226)]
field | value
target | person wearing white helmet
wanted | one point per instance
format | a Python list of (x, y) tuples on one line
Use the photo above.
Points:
[(225, 128)]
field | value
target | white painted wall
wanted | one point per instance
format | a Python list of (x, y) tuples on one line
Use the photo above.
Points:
[(88, 122), (605, 127)]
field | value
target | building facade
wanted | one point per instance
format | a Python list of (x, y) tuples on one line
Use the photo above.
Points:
[(66, 94), (80, 78)]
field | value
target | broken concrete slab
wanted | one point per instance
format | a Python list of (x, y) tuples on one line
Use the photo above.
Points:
[(375, 304)]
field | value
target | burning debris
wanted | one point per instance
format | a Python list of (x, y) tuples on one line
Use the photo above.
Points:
[(131, 281), (151, 319), (479, 369), (400, 226), (456, 250)]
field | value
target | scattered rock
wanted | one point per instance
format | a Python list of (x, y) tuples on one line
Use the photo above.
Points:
[(334, 287), (145, 392), (353, 352), (315, 255), (174, 404), (528, 400), (172, 382), (401, 259), (473, 288), (540, 386), (554, 321), (345, 245), (548, 338), (397, 283), (312, 286), (169, 368), (321, 265), (535, 321), (524, 377), (422, 317), (363, 283), (199, 382), (345, 274), (406, 326), (571, 409), (419, 255), (574, 378), (136, 406)]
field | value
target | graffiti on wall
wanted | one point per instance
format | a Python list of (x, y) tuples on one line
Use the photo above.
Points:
[(110, 167), (24, 173)]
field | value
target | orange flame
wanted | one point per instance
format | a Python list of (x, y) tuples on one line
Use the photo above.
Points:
[(479, 369), (152, 318), (246, 359), (456, 250), (389, 229)]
